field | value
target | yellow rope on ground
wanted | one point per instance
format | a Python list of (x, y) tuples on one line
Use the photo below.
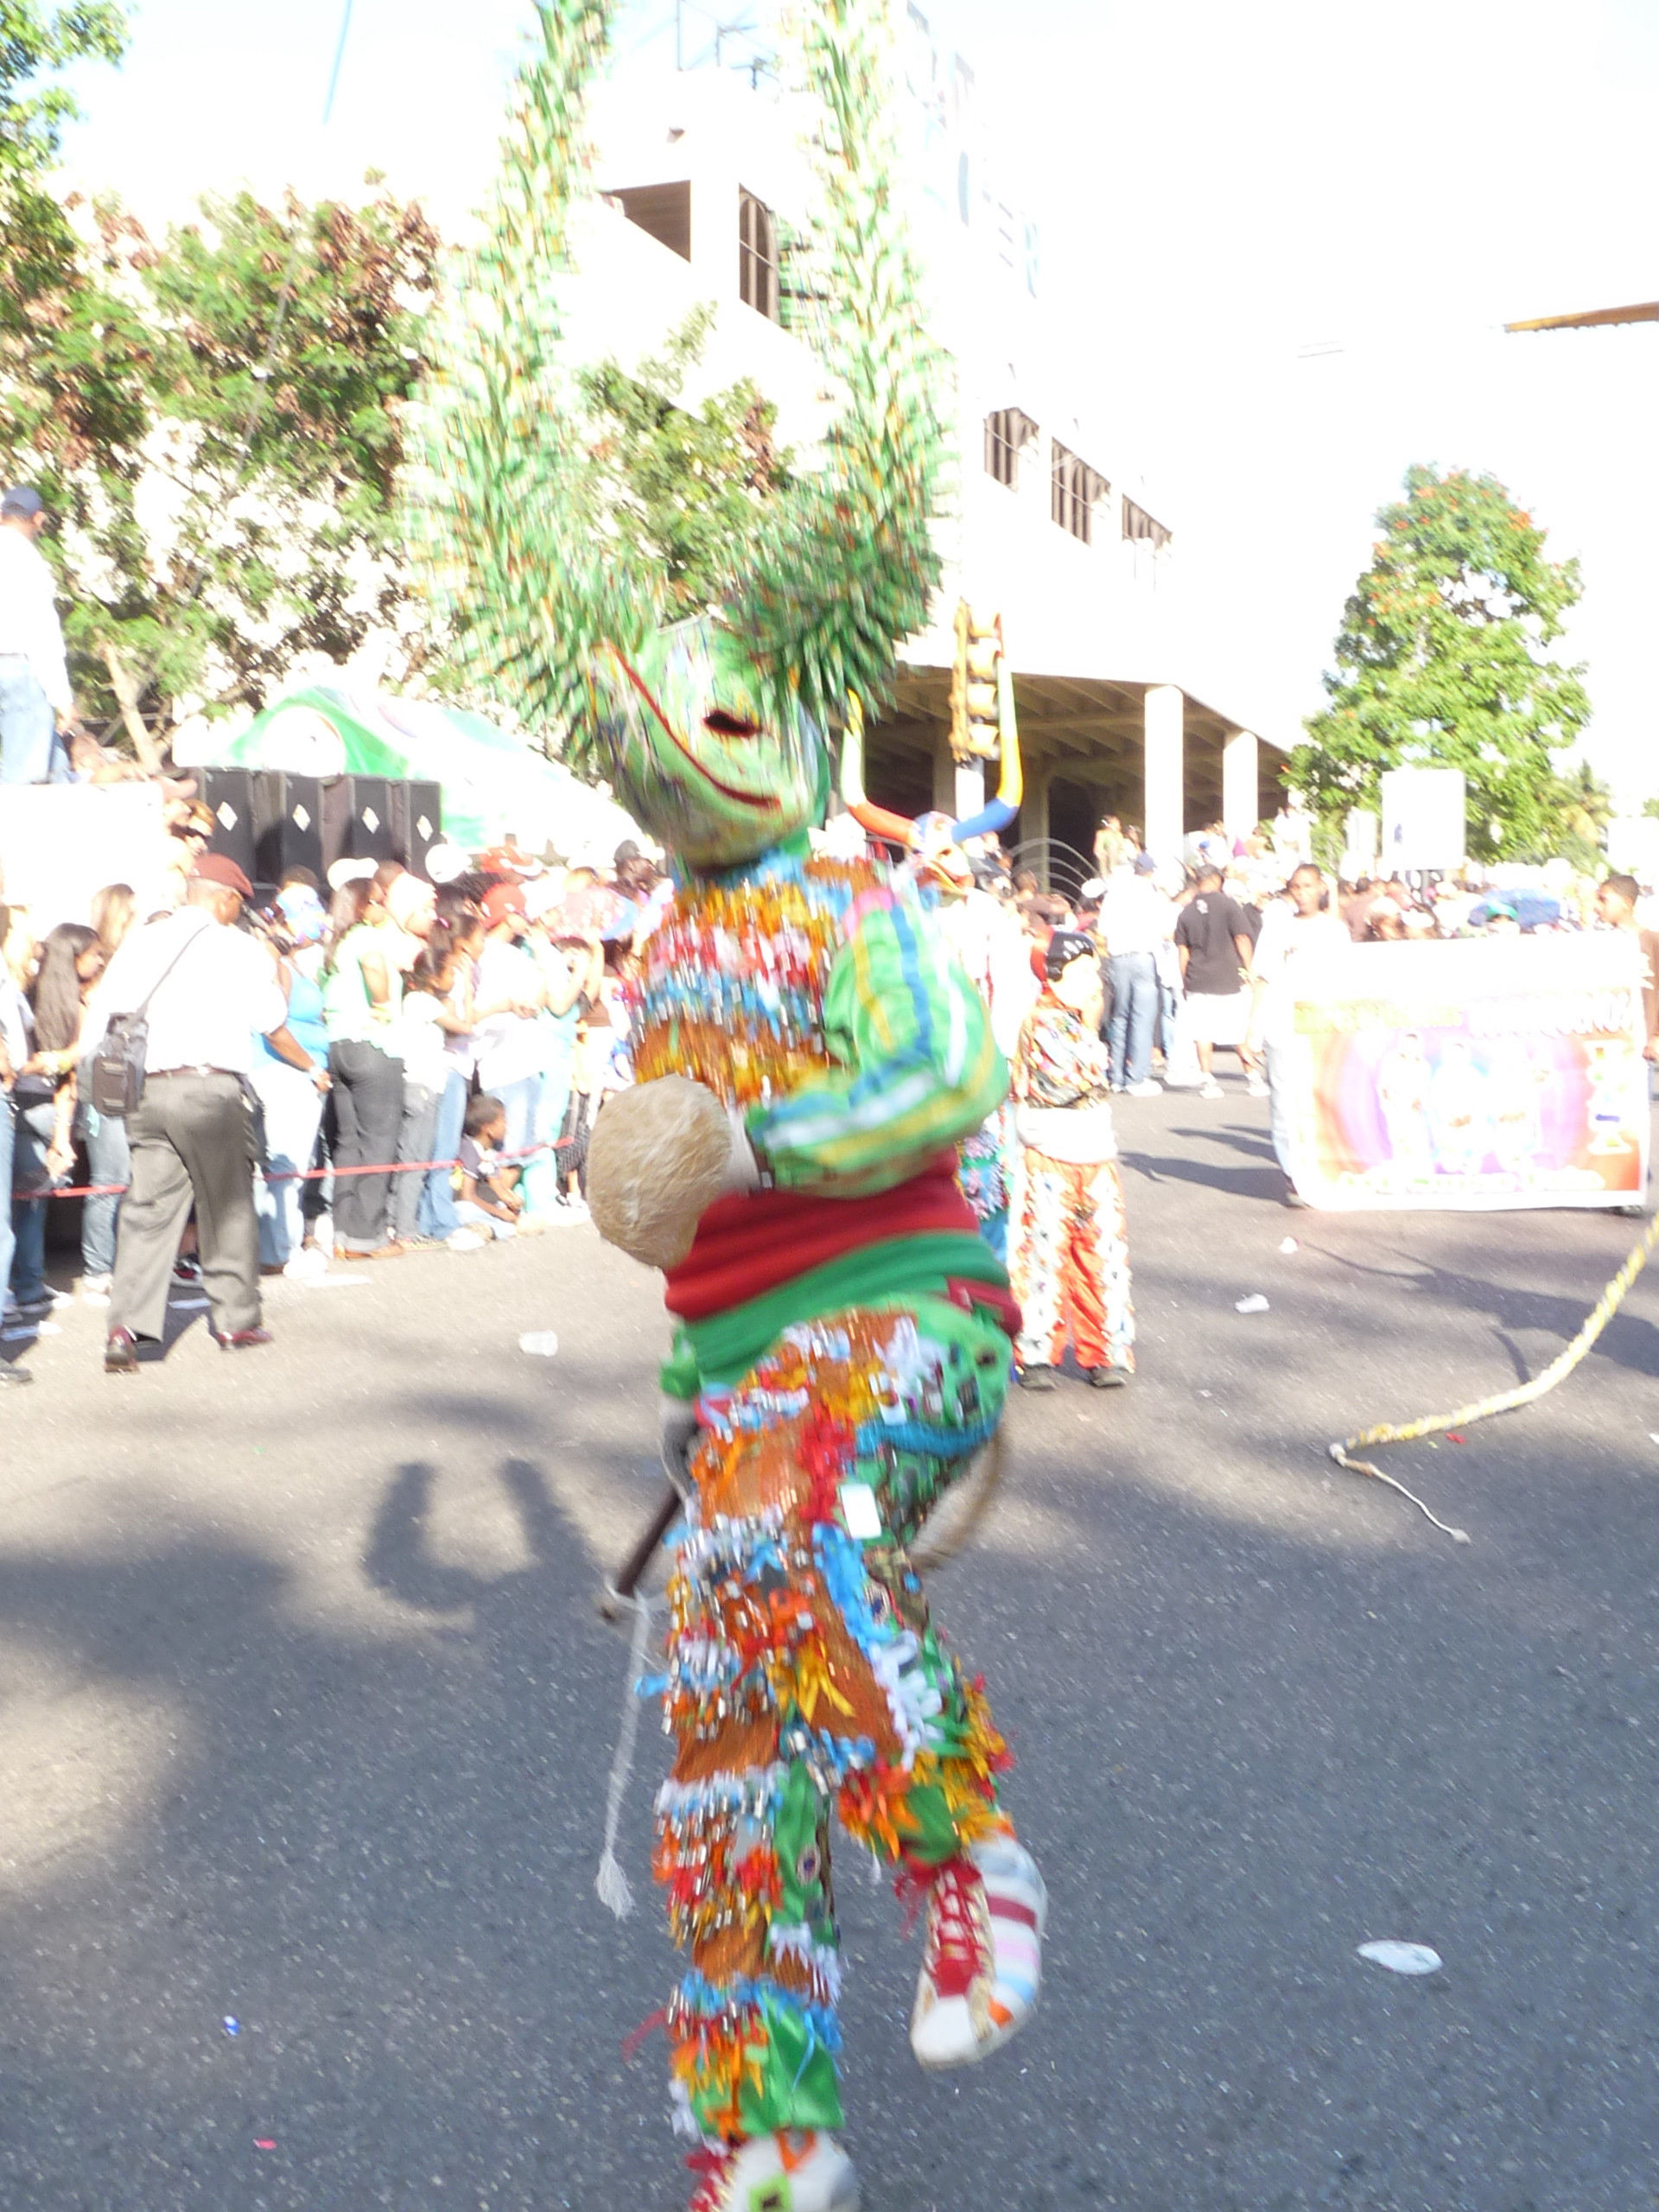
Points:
[(1505, 1401)]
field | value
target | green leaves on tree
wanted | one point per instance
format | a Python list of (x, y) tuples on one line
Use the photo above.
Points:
[(215, 422), (682, 486), (1441, 662)]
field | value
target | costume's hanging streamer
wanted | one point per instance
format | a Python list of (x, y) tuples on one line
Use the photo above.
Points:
[(1505, 1401), (611, 1882)]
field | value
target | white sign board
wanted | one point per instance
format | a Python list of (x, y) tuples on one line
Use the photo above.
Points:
[(1422, 819)]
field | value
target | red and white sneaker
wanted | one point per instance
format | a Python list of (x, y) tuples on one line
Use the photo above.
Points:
[(983, 1963), (794, 2170)]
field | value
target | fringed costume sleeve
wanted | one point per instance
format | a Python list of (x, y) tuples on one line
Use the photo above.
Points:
[(916, 1066)]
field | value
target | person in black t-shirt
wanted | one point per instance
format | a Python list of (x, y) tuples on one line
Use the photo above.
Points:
[(1213, 939)]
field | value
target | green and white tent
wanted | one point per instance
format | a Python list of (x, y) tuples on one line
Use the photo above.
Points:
[(494, 783)]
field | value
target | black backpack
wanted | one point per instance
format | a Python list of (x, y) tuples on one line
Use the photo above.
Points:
[(117, 1065)]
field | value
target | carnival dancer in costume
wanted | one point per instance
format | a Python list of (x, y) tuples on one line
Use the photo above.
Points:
[(1069, 1251), (808, 1055)]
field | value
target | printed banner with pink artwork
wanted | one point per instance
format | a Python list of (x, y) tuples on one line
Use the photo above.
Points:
[(1477, 1073)]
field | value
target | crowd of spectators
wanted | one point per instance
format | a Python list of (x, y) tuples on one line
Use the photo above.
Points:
[(1189, 948), (389, 1061), (349, 1071)]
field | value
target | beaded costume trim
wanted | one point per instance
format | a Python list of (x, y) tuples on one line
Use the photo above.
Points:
[(735, 973)]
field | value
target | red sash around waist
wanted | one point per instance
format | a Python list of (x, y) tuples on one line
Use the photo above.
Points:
[(747, 1246)]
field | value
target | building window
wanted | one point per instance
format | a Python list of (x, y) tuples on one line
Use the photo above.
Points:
[(1007, 433), (1139, 525), (1075, 489), (664, 210), (757, 255)]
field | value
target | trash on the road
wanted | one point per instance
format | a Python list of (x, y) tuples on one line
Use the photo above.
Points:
[(1210, 1394), (1455, 1436), (1254, 1303), (264, 2142), (1402, 1958), (232, 2027), (542, 1342), (1290, 1245)]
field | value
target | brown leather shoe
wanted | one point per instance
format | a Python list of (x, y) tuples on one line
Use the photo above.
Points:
[(245, 1340), (121, 1352)]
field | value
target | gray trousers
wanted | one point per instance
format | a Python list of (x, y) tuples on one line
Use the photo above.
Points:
[(192, 1139)]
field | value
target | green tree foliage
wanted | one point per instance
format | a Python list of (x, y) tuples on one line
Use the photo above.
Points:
[(682, 486), (1584, 808), (216, 421), (34, 43), (1441, 663)]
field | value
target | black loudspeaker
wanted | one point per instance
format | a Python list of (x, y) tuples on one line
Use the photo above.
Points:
[(357, 819), (416, 821), (288, 827), (335, 794), (228, 795)]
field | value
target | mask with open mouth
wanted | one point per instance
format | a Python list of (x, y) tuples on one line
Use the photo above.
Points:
[(682, 733)]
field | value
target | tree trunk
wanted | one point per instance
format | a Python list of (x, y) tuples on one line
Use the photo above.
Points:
[(126, 693)]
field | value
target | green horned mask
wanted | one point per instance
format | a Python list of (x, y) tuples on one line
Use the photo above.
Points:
[(681, 729), (711, 730)]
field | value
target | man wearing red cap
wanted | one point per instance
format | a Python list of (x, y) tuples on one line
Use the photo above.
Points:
[(206, 991)]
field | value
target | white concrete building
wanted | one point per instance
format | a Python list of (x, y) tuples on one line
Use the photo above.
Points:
[(1049, 525)]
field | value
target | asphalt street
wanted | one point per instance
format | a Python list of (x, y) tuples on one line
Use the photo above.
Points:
[(306, 1715)]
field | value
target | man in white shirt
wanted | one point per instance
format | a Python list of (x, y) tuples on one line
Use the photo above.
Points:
[(206, 990), (35, 701)]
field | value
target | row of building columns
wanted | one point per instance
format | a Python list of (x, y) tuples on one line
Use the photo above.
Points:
[(960, 791)]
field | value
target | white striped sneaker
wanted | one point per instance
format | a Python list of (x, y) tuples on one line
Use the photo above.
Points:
[(983, 1962)]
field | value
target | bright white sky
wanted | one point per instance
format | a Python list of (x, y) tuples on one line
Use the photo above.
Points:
[(1221, 187)]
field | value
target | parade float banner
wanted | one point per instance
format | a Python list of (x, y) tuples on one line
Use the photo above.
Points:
[(1476, 1073)]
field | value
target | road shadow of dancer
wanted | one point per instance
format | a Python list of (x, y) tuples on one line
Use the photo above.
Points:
[(398, 1557)]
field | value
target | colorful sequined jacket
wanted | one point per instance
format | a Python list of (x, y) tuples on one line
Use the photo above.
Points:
[(1062, 1083), (821, 999)]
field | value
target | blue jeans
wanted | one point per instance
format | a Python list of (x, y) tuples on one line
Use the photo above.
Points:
[(293, 1112), (437, 1216), (29, 750), (522, 1101), (1135, 1010), (8, 1238), (34, 1126), (540, 1183), (109, 1159)]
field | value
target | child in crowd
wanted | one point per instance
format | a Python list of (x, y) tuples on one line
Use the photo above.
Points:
[(490, 1201), (1069, 1253)]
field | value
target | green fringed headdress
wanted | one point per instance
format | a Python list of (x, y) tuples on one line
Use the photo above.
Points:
[(712, 731)]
